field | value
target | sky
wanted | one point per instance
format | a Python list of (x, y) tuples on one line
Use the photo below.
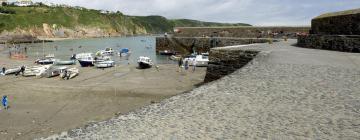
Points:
[(255, 12)]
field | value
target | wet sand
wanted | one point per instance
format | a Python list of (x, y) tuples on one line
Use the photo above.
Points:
[(45, 106)]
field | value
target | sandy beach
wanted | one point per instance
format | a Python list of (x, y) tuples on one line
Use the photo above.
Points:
[(45, 106)]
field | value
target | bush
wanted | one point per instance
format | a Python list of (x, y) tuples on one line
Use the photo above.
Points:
[(6, 11)]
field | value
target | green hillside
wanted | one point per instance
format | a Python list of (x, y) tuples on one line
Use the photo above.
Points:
[(12, 17)]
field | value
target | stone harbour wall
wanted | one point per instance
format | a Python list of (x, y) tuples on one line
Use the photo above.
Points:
[(331, 42), (348, 24), (224, 61), (241, 32), (185, 45)]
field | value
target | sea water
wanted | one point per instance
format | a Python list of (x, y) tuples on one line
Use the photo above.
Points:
[(64, 49)]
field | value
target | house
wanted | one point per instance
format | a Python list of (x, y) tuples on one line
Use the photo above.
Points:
[(24, 3)]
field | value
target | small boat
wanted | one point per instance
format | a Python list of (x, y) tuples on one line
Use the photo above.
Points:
[(12, 71), (106, 52), (144, 62), (167, 52), (105, 64), (35, 70), (62, 62), (53, 71), (86, 62), (175, 57), (83, 56), (45, 61), (69, 73), (201, 60)]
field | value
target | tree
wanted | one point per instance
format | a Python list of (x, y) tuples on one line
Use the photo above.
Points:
[(4, 4)]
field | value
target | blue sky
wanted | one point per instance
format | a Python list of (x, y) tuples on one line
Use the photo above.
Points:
[(256, 12)]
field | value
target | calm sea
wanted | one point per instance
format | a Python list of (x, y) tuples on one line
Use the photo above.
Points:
[(139, 46)]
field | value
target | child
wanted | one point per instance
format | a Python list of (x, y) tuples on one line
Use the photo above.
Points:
[(5, 102)]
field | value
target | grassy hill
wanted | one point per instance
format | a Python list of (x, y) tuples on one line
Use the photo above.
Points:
[(26, 18)]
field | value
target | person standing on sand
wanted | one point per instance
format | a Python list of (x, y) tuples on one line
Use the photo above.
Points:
[(180, 63), (3, 70), (5, 102), (186, 64), (194, 65)]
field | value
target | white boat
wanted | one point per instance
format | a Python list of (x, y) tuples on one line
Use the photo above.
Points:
[(64, 62), (83, 56), (105, 64), (69, 73), (35, 70), (12, 71), (106, 52), (53, 71), (201, 60), (144, 62), (175, 57)]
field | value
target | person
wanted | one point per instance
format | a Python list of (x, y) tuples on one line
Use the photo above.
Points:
[(5, 102), (194, 65), (3, 70), (22, 70), (186, 64), (180, 63), (25, 49)]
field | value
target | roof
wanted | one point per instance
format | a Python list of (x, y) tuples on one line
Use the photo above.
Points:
[(341, 13)]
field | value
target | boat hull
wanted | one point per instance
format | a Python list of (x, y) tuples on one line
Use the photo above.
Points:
[(86, 63), (105, 64), (143, 65), (71, 62)]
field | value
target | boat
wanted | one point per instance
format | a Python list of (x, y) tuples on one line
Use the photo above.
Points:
[(48, 59), (35, 70), (144, 62), (86, 62), (69, 73), (63, 62), (105, 64), (53, 71), (202, 60), (12, 71), (175, 57), (83, 56), (106, 52), (167, 52)]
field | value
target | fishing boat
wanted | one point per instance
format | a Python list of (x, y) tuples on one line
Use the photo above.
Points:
[(144, 62), (106, 52), (85, 59), (12, 71), (64, 62), (69, 73), (105, 64), (83, 56), (167, 52)]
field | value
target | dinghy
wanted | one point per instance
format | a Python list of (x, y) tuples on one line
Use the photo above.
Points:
[(62, 62), (69, 73), (12, 71), (144, 62), (53, 71), (35, 70), (105, 64)]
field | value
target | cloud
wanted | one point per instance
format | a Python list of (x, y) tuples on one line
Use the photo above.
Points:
[(256, 12)]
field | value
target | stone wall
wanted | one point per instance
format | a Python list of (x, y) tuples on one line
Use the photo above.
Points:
[(185, 45), (338, 31), (223, 61), (338, 23), (241, 32), (331, 42)]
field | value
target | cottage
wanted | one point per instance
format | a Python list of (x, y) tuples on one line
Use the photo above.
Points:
[(24, 3)]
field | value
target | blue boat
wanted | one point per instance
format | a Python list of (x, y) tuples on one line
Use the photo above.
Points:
[(86, 63)]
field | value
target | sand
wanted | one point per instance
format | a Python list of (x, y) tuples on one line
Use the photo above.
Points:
[(44, 106)]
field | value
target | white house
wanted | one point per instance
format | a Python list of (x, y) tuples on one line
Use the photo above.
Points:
[(24, 3)]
